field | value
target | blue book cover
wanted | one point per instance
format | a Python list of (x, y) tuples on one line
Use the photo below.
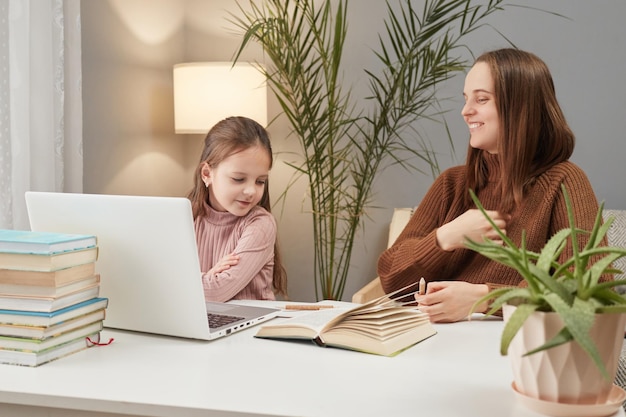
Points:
[(45, 243), (39, 318)]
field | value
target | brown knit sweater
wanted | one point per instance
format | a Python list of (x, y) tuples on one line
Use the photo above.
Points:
[(416, 254)]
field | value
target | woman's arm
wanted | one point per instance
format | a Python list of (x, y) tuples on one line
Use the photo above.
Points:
[(415, 253)]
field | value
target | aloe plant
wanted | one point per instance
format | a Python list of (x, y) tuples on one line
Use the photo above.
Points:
[(345, 147), (572, 289)]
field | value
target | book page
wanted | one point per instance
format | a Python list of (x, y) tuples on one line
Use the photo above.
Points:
[(389, 346), (304, 325), (375, 332)]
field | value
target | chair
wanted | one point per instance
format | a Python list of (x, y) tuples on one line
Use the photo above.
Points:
[(374, 289), (616, 237)]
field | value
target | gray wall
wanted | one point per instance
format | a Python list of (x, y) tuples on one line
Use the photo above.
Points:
[(130, 46)]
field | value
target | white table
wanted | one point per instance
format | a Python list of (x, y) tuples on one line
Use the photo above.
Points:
[(458, 372)]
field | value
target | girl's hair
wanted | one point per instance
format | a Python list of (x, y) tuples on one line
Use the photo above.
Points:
[(534, 135), (227, 137)]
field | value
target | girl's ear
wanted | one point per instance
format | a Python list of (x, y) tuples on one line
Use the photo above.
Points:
[(205, 173)]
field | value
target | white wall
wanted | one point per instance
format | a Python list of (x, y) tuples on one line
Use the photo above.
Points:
[(130, 46)]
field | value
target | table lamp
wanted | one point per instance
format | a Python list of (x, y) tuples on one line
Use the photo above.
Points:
[(207, 92)]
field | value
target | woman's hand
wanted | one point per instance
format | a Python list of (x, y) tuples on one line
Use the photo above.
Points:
[(225, 263), (450, 301), (471, 225)]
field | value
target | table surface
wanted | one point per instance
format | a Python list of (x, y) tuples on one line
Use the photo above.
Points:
[(457, 372)]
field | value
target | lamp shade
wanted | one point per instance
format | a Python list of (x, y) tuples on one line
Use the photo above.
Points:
[(207, 92)]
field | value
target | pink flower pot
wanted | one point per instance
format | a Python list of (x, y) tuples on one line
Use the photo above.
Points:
[(566, 373)]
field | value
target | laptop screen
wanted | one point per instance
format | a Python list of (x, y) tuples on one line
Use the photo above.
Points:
[(147, 259)]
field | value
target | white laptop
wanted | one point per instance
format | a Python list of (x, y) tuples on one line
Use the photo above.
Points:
[(147, 261)]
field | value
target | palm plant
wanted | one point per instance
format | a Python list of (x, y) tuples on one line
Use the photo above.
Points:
[(344, 147), (572, 289)]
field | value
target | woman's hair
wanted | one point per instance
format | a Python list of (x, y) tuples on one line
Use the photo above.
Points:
[(227, 137), (534, 135)]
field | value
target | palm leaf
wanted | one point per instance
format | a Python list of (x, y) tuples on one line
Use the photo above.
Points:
[(343, 148)]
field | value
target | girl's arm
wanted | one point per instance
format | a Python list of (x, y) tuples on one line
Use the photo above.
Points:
[(255, 252)]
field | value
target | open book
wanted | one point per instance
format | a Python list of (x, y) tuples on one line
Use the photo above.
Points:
[(382, 326)]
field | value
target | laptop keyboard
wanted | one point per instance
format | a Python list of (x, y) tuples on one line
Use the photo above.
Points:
[(219, 320)]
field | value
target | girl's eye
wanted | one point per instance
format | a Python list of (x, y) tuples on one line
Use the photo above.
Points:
[(261, 182), (238, 179)]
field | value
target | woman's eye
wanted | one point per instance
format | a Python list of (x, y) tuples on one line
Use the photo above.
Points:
[(481, 100)]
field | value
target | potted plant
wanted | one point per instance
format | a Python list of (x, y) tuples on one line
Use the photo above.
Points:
[(564, 330), (343, 146)]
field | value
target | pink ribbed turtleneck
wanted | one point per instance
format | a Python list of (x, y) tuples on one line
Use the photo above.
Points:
[(252, 237)]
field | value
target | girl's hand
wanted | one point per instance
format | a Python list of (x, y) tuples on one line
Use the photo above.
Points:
[(450, 301), (225, 263), (471, 225)]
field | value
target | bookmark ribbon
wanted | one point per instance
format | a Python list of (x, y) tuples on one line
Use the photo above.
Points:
[(97, 342)]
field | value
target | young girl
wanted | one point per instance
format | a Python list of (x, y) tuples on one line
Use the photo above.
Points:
[(235, 231), (518, 157)]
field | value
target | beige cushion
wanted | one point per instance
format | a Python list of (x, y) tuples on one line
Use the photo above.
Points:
[(399, 220), (374, 289)]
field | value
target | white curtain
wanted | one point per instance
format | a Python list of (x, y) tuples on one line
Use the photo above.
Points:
[(40, 103)]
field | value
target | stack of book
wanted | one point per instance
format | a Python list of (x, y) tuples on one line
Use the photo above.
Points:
[(49, 296)]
